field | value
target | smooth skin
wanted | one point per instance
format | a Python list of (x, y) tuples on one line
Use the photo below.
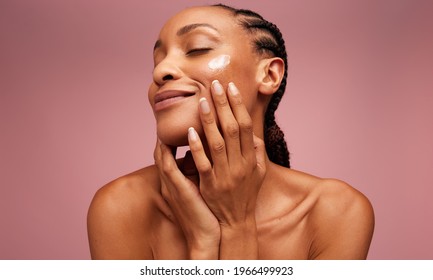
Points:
[(225, 199)]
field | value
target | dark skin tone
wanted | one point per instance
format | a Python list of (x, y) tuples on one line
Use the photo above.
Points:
[(225, 199)]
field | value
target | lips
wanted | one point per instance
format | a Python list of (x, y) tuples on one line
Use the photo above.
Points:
[(166, 98)]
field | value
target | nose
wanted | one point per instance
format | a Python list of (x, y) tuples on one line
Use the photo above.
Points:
[(166, 70)]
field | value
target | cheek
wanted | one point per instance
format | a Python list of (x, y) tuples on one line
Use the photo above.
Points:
[(216, 68), (219, 63), (228, 69)]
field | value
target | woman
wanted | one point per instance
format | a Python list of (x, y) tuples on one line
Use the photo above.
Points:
[(218, 78)]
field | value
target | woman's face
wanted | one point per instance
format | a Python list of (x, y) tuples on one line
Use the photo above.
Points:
[(195, 47)]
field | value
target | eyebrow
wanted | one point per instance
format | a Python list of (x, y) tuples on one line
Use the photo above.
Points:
[(186, 29), (191, 27)]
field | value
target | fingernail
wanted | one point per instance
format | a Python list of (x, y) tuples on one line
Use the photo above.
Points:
[(217, 87), (204, 106), (233, 89), (192, 134)]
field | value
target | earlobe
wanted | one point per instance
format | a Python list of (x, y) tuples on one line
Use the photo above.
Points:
[(271, 72)]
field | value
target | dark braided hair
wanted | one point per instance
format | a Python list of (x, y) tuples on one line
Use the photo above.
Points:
[(268, 40)]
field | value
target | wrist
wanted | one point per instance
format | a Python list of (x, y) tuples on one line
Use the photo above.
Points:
[(203, 250), (248, 226), (239, 241)]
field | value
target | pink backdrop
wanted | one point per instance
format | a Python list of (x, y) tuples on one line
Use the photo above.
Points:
[(74, 112)]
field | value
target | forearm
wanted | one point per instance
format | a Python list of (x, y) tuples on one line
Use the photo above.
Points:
[(239, 241)]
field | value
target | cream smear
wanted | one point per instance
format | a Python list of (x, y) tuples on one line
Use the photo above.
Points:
[(219, 62)]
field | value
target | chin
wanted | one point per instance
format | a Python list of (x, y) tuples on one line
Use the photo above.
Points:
[(173, 139), (174, 133)]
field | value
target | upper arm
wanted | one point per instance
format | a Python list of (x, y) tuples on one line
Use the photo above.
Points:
[(344, 223), (117, 223)]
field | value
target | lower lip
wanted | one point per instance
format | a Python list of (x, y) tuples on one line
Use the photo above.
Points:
[(161, 105)]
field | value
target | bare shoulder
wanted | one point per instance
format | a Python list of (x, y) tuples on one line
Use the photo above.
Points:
[(342, 219), (317, 218), (120, 216)]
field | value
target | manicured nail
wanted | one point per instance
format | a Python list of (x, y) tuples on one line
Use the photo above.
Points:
[(192, 134), (217, 87), (204, 106), (233, 89)]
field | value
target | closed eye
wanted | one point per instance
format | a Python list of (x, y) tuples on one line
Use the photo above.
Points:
[(198, 51)]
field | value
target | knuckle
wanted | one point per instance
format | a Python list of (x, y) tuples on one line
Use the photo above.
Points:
[(237, 101), (246, 126), (228, 186), (218, 147), (208, 121), (167, 167), (195, 148), (238, 173), (222, 102), (232, 130), (204, 168)]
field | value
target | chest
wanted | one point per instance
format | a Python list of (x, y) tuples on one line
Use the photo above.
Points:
[(278, 240)]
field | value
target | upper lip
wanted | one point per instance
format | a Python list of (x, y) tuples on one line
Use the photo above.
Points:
[(166, 94)]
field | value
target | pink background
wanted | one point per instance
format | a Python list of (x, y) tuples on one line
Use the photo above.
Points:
[(74, 112)]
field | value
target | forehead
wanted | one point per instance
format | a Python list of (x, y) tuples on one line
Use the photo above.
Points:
[(223, 20)]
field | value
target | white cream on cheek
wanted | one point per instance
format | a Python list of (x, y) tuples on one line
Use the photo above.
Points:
[(219, 62)]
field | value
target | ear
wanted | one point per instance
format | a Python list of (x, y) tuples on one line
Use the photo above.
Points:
[(270, 74)]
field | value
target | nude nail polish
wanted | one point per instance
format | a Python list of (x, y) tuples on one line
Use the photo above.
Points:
[(233, 89), (217, 87), (204, 106), (192, 134)]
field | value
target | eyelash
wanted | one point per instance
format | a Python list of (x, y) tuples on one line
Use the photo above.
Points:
[(194, 52), (198, 51)]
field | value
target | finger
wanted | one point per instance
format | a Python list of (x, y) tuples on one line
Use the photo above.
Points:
[(214, 139), (260, 152), (176, 189), (168, 164), (157, 156), (244, 121), (227, 121), (157, 153), (201, 161), (175, 181)]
